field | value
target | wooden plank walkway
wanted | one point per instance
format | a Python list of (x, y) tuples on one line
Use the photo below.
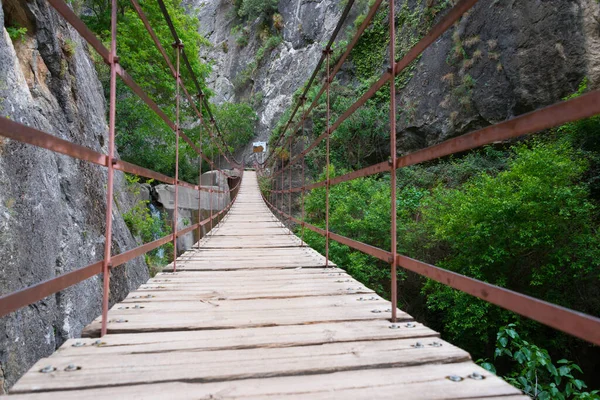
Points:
[(252, 313)]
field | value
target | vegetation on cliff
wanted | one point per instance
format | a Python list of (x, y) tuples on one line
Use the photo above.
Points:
[(142, 137)]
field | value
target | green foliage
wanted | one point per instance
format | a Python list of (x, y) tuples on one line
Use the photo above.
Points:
[(242, 41), (359, 209), (143, 224), (533, 371), (520, 218), (16, 33), (69, 47), (237, 123), (530, 228), (278, 22), (142, 137), (369, 53), (264, 184), (252, 9)]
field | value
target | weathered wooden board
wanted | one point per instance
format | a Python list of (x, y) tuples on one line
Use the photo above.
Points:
[(221, 365), (253, 314), (424, 382), (222, 314), (278, 336)]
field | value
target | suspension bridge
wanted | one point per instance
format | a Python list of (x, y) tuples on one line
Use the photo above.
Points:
[(251, 311)]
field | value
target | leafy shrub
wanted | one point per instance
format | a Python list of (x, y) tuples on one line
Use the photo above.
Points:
[(237, 123), (252, 9), (242, 40), (277, 21), (533, 371), (16, 33), (148, 227)]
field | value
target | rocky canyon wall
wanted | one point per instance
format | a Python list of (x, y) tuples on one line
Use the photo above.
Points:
[(52, 207)]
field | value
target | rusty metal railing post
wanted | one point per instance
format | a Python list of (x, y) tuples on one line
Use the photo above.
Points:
[(290, 188), (281, 188), (212, 125), (177, 46), (112, 113), (393, 156), (327, 185), (201, 98), (303, 100)]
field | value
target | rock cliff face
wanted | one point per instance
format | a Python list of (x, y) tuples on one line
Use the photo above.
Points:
[(502, 59), (52, 207), (307, 24)]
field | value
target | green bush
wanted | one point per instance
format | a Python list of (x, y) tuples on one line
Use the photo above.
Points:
[(532, 370), (252, 9), (143, 224), (237, 123), (16, 33), (142, 137)]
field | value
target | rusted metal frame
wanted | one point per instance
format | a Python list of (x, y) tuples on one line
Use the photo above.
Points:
[(584, 106), (316, 70), (112, 114), (342, 59), (200, 174), (290, 186), (68, 14), (143, 96), (438, 30), (41, 139), (157, 43), (29, 295), (361, 101), (303, 177), (25, 134), (177, 46), (327, 162), (186, 230), (161, 49), (141, 171), (186, 61), (392, 164), (122, 258), (578, 324), (453, 15), (376, 252), (281, 197)]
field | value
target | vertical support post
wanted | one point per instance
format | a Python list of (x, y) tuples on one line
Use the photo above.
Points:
[(212, 124), (290, 188), (327, 87), (112, 113), (177, 46), (393, 156), (281, 190), (303, 99), (201, 98)]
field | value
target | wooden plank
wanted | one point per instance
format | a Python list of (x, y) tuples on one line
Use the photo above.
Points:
[(427, 382), (278, 336), (222, 314), (223, 365)]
